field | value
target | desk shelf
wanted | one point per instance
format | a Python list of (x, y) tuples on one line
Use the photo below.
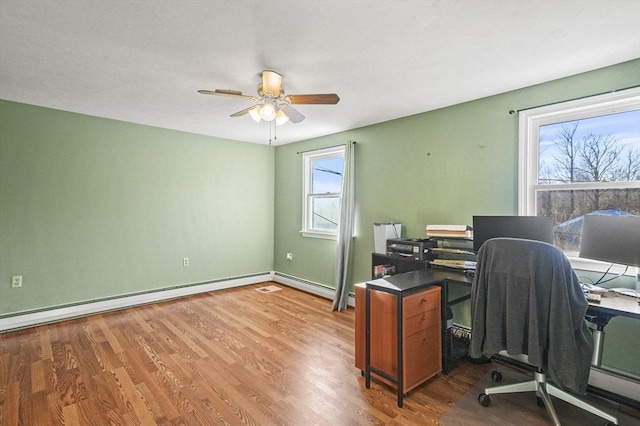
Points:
[(401, 264), (457, 250)]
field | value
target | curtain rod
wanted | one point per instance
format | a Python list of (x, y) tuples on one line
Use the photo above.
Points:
[(514, 111), (326, 147)]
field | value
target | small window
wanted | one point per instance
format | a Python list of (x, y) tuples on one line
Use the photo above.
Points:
[(322, 190)]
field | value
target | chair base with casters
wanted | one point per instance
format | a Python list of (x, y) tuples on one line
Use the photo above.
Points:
[(543, 391)]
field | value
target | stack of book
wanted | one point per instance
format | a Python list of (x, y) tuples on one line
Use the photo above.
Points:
[(449, 231), (453, 250)]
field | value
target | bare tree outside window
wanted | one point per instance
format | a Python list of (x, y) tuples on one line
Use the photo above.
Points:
[(580, 163)]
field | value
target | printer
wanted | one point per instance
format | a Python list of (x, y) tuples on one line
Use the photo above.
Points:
[(414, 248)]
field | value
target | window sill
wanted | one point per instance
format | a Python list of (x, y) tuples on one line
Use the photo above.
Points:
[(320, 235), (597, 266)]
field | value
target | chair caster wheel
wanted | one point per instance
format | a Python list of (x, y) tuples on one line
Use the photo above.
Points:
[(496, 376), (540, 402), (484, 400)]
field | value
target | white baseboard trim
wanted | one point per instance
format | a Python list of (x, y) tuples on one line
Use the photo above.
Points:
[(308, 286), (83, 309), (45, 316)]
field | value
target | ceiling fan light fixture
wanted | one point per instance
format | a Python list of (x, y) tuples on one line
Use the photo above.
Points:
[(271, 83), (268, 111), (255, 113), (272, 102), (281, 118)]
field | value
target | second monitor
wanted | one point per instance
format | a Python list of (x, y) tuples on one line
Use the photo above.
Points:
[(538, 228)]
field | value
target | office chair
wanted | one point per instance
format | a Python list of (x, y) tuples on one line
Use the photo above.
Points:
[(527, 303)]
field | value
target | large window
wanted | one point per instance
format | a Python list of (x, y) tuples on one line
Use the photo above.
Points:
[(322, 190), (580, 157)]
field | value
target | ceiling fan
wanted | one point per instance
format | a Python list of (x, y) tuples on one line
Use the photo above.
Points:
[(273, 103)]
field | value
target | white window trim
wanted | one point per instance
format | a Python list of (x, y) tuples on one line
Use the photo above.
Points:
[(320, 235), (335, 151), (529, 122)]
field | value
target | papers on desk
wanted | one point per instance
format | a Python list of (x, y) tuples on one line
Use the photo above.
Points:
[(594, 289), (590, 288), (626, 291), (454, 263), (452, 250)]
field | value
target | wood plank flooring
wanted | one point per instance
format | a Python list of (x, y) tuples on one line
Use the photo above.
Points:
[(231, 357)]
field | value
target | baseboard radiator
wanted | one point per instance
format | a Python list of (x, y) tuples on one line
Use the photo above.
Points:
[(620, 386), (80, 309), (309, 286)]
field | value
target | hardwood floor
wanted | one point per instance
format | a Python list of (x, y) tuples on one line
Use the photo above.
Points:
[(231, 357)]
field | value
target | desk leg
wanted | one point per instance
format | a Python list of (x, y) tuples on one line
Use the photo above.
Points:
[(400, 381), (598, 345), (367, 339), (444, 302), (598, 337)]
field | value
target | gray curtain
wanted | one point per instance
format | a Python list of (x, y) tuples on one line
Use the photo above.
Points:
[(345, 229)]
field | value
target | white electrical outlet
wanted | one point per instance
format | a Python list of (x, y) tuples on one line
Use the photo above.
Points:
[(289, 256), (185, 261), (16, 281)]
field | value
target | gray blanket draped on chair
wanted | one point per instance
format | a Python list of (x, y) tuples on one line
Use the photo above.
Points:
[(530, 302)]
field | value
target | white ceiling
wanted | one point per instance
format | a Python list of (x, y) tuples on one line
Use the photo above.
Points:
[(143, 61)]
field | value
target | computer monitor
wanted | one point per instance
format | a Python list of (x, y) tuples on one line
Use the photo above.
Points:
[(538, 228), (613, 239)]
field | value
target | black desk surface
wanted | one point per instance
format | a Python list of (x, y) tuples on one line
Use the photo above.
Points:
[(406, 281), (457, 275), (410, 280)]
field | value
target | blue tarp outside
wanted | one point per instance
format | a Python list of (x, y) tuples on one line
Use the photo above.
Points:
[(567, 234)]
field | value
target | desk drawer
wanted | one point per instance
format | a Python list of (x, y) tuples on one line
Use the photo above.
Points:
[(423, 356), (421, 321), (421, 302)]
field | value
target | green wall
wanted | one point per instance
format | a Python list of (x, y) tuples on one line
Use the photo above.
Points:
[(441, 167), (93, 208)]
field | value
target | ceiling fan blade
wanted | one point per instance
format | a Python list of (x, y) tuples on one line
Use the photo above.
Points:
[(244, 111), (271, 83), (327, 98), (293, 114), (232, 93)]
